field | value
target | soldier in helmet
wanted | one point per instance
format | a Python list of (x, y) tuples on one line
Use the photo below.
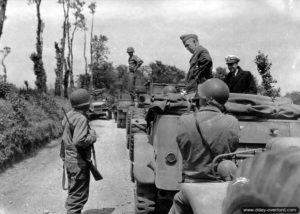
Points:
[(200, 63), (77, 141), (238, 80), (204, 135), (134, 63)]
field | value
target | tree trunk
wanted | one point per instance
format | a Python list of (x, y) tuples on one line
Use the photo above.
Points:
[(84, 55), (37, 58), (3, 4), (63, 43), (91, 51)]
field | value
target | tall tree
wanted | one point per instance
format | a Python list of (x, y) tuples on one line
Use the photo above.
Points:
[(92, 8), (77, 7), (4, 53), (3, 4), (84, 48), (264, 69), (58, 70), (62, 63), (37, 57)]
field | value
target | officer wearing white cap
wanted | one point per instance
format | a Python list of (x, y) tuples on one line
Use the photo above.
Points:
[(238, 80), (200, 62)]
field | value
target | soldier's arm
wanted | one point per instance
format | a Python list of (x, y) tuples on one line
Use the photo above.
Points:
[(182, 140), (139, 62), (82, 137)]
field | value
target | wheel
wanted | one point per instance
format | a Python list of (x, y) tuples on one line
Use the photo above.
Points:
[(109, 115), (118, 123), (269, 179), (145, 198)]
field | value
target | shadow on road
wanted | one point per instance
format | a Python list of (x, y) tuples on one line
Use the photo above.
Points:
[(97, 211)]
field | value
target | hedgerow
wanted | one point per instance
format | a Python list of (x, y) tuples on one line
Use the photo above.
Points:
[(29, 119)]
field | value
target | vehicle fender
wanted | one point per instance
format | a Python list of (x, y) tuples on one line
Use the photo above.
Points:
[(281, 143), (143, 157), (205, 198)]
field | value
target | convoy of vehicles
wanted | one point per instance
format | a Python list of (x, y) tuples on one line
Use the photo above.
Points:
[(156, 161)]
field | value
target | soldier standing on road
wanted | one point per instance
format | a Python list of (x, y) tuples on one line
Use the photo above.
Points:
[(77, 142), (204, 135), (134, 63), (200, 63), (238, 80)]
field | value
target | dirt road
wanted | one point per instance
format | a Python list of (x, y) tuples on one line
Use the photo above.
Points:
[(33, 186)]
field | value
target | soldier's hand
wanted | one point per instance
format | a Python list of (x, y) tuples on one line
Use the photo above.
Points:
[(93, 135)]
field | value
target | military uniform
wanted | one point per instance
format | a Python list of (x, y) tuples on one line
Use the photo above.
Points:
[(221, 133), (238, 80), (77, 151), (241, 82), (200, 65), (200, 68)]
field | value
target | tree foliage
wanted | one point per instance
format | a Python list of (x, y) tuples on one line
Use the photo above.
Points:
[(37, 57), (263, 67), (100, 51), (104, 76), (162, 73), (295, 96)]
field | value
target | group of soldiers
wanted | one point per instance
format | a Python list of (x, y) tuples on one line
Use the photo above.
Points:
[(238, 80), (201, 136)]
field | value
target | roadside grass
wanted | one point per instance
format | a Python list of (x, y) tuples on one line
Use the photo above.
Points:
[(28, 121)]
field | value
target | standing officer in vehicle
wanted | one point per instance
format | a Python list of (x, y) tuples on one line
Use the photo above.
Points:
[(238, 80), (78, 139), (200, 63), (134, 63), (204, 135)]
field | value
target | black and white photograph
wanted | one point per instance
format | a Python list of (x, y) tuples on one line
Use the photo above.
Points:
[(149, 106)]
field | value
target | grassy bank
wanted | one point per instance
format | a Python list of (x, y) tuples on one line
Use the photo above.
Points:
[(28, 120)]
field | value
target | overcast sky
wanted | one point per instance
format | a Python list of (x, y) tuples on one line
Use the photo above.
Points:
[(153, 28)]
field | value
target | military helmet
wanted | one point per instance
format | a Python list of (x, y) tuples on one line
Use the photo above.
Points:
[(80, 98), (226, 169), (169, 89), (130, 50), (215, 89)]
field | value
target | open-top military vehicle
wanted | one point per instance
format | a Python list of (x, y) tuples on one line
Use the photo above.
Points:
[(100, 105), (157, 162)]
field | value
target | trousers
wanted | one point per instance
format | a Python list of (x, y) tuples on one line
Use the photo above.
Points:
[(78, 187)]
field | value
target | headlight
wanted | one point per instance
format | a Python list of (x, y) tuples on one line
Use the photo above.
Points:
[(171, 159)]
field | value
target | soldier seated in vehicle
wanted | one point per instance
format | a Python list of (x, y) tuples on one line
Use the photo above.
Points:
[(204, 135)]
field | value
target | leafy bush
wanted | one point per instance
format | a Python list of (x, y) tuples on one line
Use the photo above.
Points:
[(28, 120)]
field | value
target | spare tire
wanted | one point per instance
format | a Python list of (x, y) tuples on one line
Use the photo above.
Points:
[(269, 179)]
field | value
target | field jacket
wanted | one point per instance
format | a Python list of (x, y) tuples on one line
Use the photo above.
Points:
[(200, 68), (221, 133), (77, 142)]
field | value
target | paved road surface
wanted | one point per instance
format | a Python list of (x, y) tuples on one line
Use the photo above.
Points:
[(33, 186)]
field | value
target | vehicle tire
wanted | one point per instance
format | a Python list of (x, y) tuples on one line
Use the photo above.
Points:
[(269, 179), (145, 198), (109, 116), (118, 123)]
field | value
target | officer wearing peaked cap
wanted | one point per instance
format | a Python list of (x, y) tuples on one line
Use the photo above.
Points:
[(238, 80), (200, 62)]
